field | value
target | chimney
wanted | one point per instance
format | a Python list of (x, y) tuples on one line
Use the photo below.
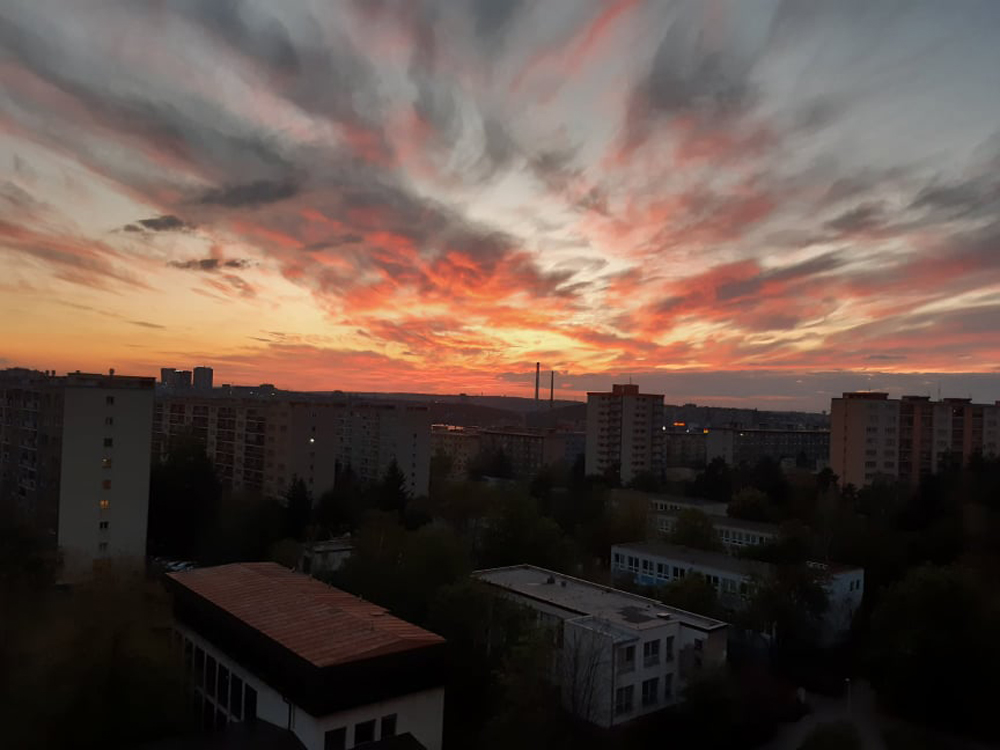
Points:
[(538, 372), (552, 388)]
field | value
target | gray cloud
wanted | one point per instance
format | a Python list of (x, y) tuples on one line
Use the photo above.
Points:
[(865, 217), (249, 194), (168, 223), (210, 264), (144, 324), (244, 27)]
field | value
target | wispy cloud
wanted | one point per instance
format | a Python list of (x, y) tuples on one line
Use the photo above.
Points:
[(615, 186)]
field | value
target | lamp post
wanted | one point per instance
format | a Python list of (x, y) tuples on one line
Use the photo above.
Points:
[(849, 706)]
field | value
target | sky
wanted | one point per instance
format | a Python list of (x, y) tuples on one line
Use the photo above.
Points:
[(756, 202)]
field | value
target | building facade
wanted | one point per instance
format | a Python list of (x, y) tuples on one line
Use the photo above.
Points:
[(262, 444), (809, 449), (735, 578), (735, 534), (619, 656), (203, 377), (262, 643), (624, 432), (873, 436), (527, 450), (75, 459)]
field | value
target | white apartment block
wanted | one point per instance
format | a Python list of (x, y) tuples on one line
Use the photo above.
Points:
[(735, 578), (624, 432), (873, 436), (261, 643), (619, 656), (74, 462)]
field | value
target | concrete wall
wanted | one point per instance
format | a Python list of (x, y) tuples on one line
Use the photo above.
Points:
[(93, 474)]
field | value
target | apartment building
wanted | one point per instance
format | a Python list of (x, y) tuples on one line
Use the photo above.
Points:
[(908, 438), (735, 578), (737, 446), (735, 534), (74, 461), (262, 643), (261, 444), (619, 656), (460, 444), (624, 432), (528, 450), (684, 447)]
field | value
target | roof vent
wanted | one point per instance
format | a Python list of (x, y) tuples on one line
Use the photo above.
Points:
[(551, 579), (562, 583), (663, 615)]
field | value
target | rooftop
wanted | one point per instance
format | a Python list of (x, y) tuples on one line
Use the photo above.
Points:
[(321, 624), (591, 600)]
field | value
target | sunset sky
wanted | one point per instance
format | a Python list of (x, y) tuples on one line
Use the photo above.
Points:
[(750, 201)]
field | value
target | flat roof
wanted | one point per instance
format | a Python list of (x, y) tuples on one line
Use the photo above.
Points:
[(698, 557), (321, 624), (588, 599)]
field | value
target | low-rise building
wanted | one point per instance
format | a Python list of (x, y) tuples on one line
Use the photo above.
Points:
[(735, 578), (667, 503), (619, 655), (262, 643), (326, 556), (734, 533)]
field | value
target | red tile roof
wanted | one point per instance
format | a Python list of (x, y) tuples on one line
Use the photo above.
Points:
[(319, 623)]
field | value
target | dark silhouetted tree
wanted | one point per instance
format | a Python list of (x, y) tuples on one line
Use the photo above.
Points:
[(184, 495), (391, 493), (694, 529), (298, 508)]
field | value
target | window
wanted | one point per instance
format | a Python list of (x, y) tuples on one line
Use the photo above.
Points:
[(623, 699), (364, 731), (109, 421), (109, 442), (646, 566), (618, 558), (633, 564), (106, 484), (105, 503), (699, 644), (249, 705), (210, 676), (105, 463), (651, 653), (670, 648), (388, 726), (668, 686), (109, 400), (102, 547), (628, 658), (335, 739), (199, 666), (103, 526), (236, 697), (223, 686), (650, 691)]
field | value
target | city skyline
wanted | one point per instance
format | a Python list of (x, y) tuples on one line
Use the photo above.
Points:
[(762, 204)]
